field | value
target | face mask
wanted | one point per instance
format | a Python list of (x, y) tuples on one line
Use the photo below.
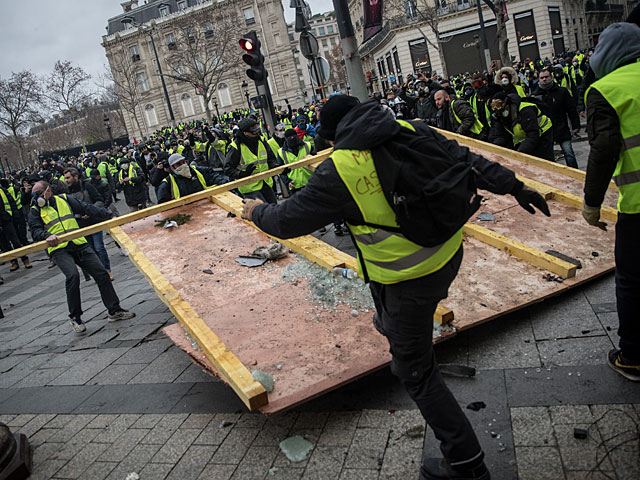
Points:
[(124, 166), (505, 113), (280, 134), (292, 142), (183, 170), (575, 64), (505, 82)]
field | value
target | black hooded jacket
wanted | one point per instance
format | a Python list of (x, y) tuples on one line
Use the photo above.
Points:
[(326, 198)]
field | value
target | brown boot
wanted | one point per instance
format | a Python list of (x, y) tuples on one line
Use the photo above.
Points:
[(27, 263), (14, 266)]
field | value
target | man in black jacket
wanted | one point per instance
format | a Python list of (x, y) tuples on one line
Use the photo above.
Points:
[(55, 209), (133, 182), (561, 106), (185, 180), (407, 281), (456, 115)]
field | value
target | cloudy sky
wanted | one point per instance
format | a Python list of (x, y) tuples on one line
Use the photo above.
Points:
[(36, 33)]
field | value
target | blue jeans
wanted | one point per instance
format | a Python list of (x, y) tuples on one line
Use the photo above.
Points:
[(96, 242), (569, 155)]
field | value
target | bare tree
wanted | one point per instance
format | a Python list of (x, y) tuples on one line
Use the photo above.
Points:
[(66, 87), (501, 32), (204, 50), (20, 99)]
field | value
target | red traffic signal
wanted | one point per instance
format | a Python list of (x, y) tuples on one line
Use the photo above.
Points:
[(250, 44)]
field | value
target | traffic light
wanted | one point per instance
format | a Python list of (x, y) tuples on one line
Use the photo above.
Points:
[(250, 44)]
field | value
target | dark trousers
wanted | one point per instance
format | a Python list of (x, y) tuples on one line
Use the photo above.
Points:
[(627, 257), (10, 239), (265, 194), (66, 259), (20, 224), (406, 311)]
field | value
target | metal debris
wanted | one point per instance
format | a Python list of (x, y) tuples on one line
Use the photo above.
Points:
[(251, 261)]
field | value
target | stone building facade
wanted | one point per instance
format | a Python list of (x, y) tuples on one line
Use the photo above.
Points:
[(536, 28), (161, 19)]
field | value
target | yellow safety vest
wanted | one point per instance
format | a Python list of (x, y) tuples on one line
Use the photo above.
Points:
[(260, 161), (5, 202), (175, 191), (519, 135), (130, 175), (477, 126), (274, 145), (620, 89), (387, 257), (16, 193), (59, 220), (520, 90), (298, 176)]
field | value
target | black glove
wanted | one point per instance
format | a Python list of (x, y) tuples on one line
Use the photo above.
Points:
[(528, 199), (247, 172), (286, 171)]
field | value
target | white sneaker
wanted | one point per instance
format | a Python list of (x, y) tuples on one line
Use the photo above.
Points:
[(77, 325)]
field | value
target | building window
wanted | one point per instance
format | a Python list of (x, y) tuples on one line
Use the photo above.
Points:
[(187, 105), (143, 84), (325, 44), (249, 19), (208, 29), (292, 38), (410, 9), (164, 11), (188, 32), (329, 29), (135, 54), (182, 4), (178, 68), (224, 95), (171, 41), (150, 112), (332, 40), (396, 60), (276, 39), (389, 64), (321, 31)]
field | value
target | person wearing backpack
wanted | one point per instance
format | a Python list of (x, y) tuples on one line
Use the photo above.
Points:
[(407, 279)]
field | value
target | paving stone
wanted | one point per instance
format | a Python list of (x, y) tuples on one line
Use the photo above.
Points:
[(157, 471), (251, 420), (89, 367), (45, 451), (116, 374), (46, 470), (198, 420), (565, 316), (102, 421), (47, 399), (21, 420), (197, 398), (123, 445), (95, 340), (192, 462), (165, 428), (149, 420), (570, 414), (604, 307), (590, 475), (177, 445), (600, 290), (579, 454), (532, 427), (116, 428), (134, 462), (135, 331), (7, 418), (40, 378), (23, 369), (80, 462), (368, 445), (311, 420), (539, 463), (375, 419), (509, 340), (575, 351), (235, 445), (217, 472), (616, 423), (164, 369), (215, 433), (400, 461), (358, 474), (99, 470), (145, 398), (326, 462), (195, 373), (611, 323), (35, 424), (626, 461)]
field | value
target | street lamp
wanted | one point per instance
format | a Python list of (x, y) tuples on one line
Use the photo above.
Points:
[(215, 105), (107, 125), (245, 90), (129, 21), (476, 37)]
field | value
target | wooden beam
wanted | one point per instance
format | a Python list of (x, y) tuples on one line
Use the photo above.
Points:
[(443, 315), (569, 199), (236, 374), (130, 217), (520, 157), (522, 251)]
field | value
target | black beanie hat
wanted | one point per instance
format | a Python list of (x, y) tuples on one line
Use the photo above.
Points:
[(246, 123), (332, 112), (290, 133)]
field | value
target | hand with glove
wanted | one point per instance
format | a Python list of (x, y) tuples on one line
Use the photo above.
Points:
[(247, 172), (248, 207), (592, 216), (528, 199), (286, 171)]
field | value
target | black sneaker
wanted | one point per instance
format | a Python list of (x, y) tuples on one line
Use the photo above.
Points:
[(78, 325), (439, 469), (340, 232), (121, 315), (615, 361)]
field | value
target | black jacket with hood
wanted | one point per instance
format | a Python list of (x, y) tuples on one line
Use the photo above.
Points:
[(326, 198), (561, 105)]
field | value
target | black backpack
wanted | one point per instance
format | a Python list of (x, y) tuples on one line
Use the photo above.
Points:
[(432, 194)]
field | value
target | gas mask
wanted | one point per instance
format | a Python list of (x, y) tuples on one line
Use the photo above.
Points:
[(40, 200), (183, 170), (504, 82)]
